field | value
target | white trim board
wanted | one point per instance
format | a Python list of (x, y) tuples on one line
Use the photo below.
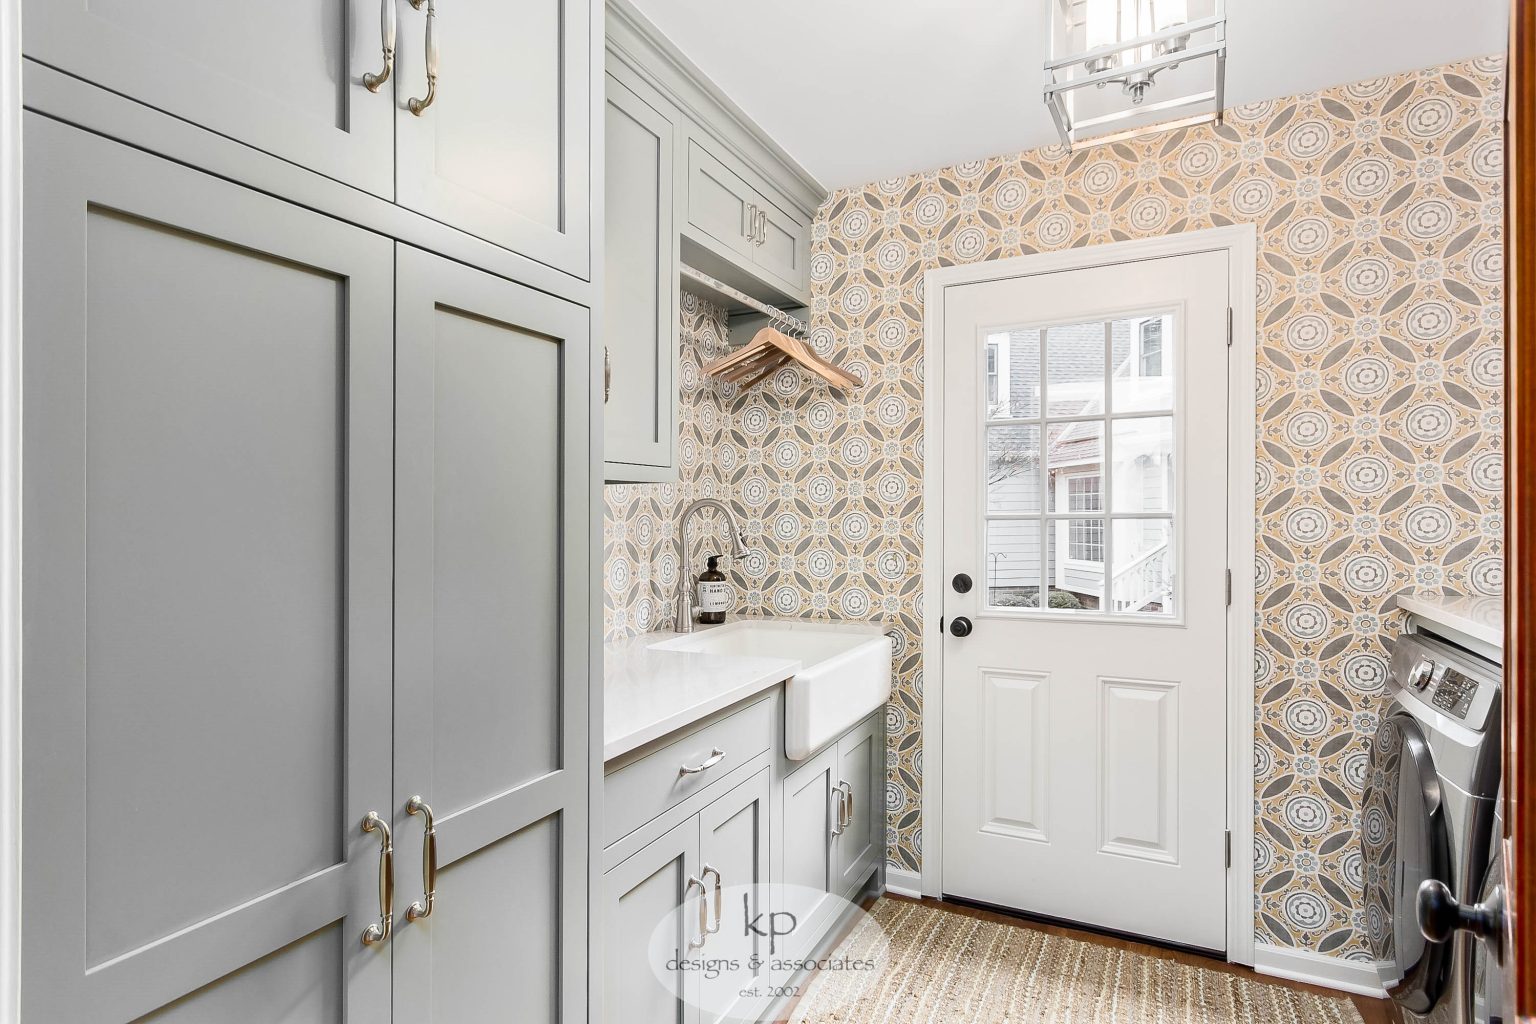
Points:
[(903, 882), (1304, 965), (1240, 242)]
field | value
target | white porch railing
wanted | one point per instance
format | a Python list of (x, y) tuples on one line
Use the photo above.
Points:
[(1145, 581)]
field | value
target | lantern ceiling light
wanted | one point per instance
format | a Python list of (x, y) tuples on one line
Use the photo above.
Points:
[(1168, 58)]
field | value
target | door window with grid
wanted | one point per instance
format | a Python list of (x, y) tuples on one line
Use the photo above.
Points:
[(1079, 467)]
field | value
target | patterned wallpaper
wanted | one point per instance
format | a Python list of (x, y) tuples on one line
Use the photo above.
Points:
[(1380, 472)]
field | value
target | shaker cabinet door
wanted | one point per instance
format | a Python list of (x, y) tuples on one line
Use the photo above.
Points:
[(493, 135), (733, 861), (859, 759), (810, 874), (491, 648), (207, 580), (651, 913), (283, 76), (640, 291)]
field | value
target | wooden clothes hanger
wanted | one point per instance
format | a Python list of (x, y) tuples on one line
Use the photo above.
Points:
[(771, 349)]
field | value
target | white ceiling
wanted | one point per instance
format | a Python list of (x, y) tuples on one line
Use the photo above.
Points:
[(858, 91)]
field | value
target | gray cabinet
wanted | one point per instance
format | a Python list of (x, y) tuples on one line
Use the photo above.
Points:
[(284, 76), (728, 213), (490, 640), (640, 287), (307, 535), (503, 149), (860, 762), (809, 869), (208, 375), (734, 858), (651, 903)]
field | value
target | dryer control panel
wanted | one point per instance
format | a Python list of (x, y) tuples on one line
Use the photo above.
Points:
[(1447, 680)]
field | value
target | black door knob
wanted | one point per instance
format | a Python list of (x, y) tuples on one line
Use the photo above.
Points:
[(960, 626), (1441, 916), (962, 583)]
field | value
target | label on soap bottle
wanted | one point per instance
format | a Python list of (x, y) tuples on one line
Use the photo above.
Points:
[(714, 596)]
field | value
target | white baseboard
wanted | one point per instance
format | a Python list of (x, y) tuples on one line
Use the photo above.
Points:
[(903, 883), (1304, 965)]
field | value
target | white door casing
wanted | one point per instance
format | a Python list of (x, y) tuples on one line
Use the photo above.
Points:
[(1110, 779)]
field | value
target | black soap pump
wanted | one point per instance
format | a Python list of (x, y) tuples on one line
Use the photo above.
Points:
[(714, 594)]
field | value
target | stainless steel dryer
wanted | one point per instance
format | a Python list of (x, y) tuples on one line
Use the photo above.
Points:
[(1429, 803)]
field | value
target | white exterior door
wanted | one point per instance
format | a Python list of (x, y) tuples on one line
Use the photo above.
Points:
[(1085, 448)]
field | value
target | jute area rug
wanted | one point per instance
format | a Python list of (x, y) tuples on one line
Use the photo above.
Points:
[(948, 968)]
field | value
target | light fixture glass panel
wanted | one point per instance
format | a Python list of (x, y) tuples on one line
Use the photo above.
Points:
[(1102, 23), (1168, 13)]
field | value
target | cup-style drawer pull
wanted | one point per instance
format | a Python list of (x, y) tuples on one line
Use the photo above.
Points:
[(715, 757), (380, 929)]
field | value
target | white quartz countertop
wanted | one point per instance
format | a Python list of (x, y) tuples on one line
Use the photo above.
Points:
[(650, 693), (1481, 618)]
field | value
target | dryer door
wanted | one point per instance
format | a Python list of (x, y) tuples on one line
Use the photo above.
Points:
[(1405, 840)]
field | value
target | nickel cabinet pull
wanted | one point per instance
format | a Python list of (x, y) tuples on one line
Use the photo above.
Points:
[(380, 929), (607, 375), (719, 896), (419, 106), (749, 222), (697, 942), (837, 810), (715, 757), (420, 910), (372, 81), (847, 802), (762, 227)]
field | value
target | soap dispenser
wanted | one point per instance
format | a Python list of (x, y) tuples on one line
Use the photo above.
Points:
[(714, 594)]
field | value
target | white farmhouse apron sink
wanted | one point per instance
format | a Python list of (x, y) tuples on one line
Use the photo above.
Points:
[(844, 673)]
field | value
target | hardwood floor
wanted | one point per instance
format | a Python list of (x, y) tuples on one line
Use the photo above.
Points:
[(1372, 1011)]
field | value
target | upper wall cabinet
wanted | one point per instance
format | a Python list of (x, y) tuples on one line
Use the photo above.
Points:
[(493, 123), (483, 124), (727, 213), (640, 286), (284, 76)]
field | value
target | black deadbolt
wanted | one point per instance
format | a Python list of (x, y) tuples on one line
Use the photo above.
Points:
[(962, 583), (960, 626)]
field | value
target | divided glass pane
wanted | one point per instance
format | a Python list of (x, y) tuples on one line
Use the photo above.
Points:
[(1013, 563), (1143, 377), (1143, 582), (1013, 470), (1077, 564), (1013, 375), (1074, 465), (1074, 370), (1143, 465)]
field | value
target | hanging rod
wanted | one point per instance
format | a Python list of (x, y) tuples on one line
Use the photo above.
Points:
[(787, 323)]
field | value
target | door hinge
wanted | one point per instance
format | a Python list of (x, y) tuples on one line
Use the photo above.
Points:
[(1229, 847), (1229, 327), (1229, 588)]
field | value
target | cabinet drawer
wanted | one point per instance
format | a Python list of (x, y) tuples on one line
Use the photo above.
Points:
[(638, 792)]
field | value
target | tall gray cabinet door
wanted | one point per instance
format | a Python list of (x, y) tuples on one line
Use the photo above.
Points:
[(207, 579), (654, 906), (733, 860), (809, 871), (284, 76), (502, 151), (640, 290), (492, 677)]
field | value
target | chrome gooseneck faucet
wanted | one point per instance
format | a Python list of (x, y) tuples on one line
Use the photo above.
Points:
[(684, 603)]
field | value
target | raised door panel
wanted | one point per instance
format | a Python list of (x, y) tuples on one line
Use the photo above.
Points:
[(502, 151), (720, 205), (734, 856), (784, 249), (640, 290), (859, 756), (810, 874), (491, 668), (207, 453), (284, 76), (649, 917)]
